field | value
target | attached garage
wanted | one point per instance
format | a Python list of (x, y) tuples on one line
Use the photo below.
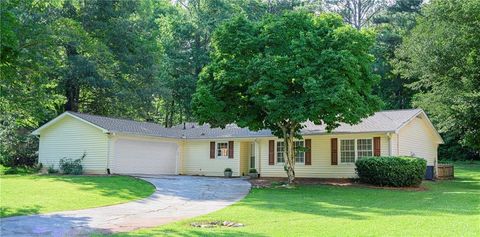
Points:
[(110, 145), (145, 157)]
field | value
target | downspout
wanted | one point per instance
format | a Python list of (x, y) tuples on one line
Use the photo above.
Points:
[(108, 152), (389, 136), (398, 144), (181, 155)]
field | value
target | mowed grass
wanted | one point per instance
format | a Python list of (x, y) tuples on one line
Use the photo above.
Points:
[(447, 208), (33, 194)]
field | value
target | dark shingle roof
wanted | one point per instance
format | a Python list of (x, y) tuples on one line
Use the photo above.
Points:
[(128, 126), (383, 121)]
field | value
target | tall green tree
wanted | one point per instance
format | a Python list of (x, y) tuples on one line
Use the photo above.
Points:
[(392, 26), (186, 38), (443, 53), (284, 71), (358, 13), (28, 54)]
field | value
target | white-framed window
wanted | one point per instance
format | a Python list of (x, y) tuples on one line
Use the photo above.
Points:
[(299, 155), (280, 150), (347, 150), (364, 148), (222, 149), (353, 149)]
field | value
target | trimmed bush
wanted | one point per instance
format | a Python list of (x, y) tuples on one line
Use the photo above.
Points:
[(51, 170), (394, 171)]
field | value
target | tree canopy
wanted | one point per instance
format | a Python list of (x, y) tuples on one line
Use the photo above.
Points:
[(443, 52), (287, 70), (141, 60)]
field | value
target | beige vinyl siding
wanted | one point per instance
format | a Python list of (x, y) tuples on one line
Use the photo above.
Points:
[(321, 158), (394, 144), (144, 155), (418, 139), (196, 159), (70, 138), (244, 157)]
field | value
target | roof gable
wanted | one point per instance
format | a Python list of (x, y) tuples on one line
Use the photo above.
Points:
[(60, 118)]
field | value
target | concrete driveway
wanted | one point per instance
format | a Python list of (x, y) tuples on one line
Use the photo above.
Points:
[(176, 198)]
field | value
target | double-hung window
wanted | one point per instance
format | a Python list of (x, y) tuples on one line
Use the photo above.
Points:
[(222, 149), (299, 154), (364, 148), (347, 151), (280, 150), (353, 149)]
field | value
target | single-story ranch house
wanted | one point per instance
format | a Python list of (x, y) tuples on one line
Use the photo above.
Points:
[(123, 146)]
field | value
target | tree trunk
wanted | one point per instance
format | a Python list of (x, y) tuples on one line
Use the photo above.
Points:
[(172, 113), (167, 112), (72, 87), (289, 151)]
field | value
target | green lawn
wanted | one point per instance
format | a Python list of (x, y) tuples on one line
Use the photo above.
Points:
[(32, 194), (448, 208)]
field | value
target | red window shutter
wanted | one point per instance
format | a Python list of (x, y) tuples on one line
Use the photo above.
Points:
[(376, 146), (271, 152), (230, 149), (212, 150), (308, 152), (334, 149)]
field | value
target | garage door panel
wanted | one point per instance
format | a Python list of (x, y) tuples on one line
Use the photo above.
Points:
[(145, 157)]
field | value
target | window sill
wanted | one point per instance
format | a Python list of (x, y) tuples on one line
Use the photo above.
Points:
[(222, 157), (347, 164), (282, 164)]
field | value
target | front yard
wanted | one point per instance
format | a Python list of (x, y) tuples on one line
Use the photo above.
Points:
[(33, 194), (447, 208)]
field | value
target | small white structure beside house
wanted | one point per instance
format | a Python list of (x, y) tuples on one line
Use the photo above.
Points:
[(121, 146)]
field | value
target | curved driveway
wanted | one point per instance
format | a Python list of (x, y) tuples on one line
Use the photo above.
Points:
[(176, 198)]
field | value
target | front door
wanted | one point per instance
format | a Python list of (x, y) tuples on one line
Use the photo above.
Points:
[(252, 155)]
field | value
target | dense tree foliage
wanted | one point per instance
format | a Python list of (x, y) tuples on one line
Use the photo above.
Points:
[(392, 25), (443, 52), (286, 70), (142, 59)]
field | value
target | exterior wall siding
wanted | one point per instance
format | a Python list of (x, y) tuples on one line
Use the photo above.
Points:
[(244, 157), (72, 138), (196, 159), (321, 158), (417, 139)]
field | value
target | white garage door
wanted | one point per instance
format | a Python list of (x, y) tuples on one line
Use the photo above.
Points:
[(145, 157)]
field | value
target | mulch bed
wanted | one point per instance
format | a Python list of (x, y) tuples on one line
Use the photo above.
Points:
[(279, 182)]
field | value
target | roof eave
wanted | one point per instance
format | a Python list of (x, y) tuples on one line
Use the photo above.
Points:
[(53, 121)]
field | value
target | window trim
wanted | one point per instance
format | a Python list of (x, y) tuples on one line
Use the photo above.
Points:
[(356, 148), (300, 163), (216, 150), (339, 149), (282, 163), (276, 152)]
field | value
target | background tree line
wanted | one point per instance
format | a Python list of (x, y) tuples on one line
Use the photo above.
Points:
[(141, 60)]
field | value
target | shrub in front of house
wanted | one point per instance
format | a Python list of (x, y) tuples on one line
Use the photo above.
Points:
[(51, 170), (400, 171), (71, 166)]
